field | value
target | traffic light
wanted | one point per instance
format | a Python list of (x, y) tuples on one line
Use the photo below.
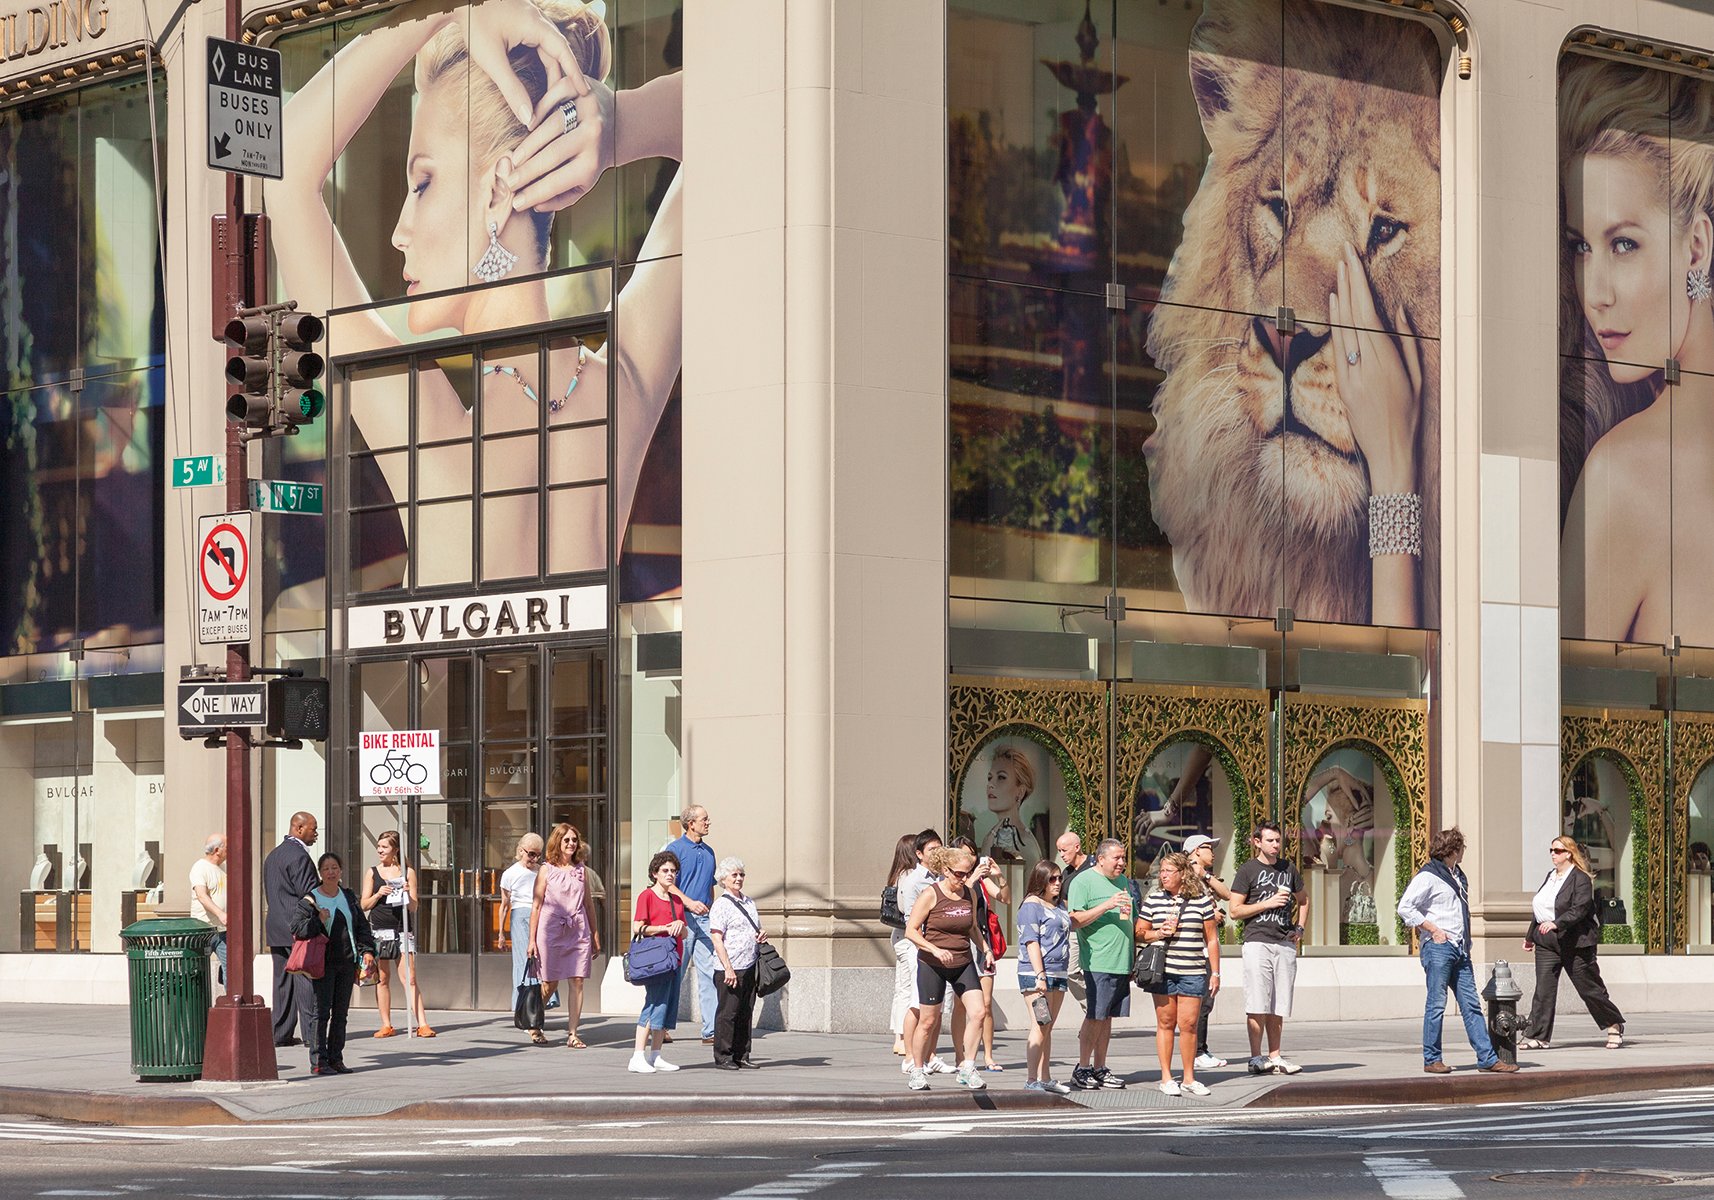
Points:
[(299, 366), (298, 709), (274, 368), (250, 369)]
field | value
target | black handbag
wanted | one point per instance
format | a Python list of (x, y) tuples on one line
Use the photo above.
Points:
[(772, 974), (387, 949), (527, 1010), (1149, 971), (890, 914)]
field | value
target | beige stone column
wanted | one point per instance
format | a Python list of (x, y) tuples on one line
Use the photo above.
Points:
[(814, 463)]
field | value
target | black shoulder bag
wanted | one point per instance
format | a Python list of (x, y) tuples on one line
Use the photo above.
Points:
[(890, 914), (772, 974), (1149, 971)]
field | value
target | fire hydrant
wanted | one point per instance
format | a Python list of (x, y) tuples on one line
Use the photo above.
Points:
[(1502, 995)]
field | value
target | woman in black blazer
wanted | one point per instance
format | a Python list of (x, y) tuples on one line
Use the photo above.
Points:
[(1563, 934), (331, 908)]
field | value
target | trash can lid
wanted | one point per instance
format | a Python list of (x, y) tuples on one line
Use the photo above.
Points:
[(166, 927)]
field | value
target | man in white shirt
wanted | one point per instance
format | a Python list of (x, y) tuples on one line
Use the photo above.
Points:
[(208, 892), (1437, 905)]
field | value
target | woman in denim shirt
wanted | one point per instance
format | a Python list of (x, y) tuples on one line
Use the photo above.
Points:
[(1044, 963)]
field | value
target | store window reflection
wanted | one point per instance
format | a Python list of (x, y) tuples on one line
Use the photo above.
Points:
[(1015, 802), (1699, 883), (1597, 812), (1347, 832), (1183, 791)]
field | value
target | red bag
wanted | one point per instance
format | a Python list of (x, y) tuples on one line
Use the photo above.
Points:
[(308, 957), (996, 939)]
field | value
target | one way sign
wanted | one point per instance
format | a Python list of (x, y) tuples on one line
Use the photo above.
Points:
[(206, 707)]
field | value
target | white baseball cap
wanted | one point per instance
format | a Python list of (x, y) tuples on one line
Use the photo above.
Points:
[(1197, 841)]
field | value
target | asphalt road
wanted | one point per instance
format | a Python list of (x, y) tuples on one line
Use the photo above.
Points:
[(1604, 1148)]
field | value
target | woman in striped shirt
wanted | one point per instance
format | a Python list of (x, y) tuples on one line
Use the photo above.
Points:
[(1180, 912)]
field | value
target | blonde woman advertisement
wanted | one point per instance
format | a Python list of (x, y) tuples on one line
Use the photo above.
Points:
[(1637, 189), (512, 120)]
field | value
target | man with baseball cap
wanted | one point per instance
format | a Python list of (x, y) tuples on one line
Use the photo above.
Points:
[(1200, 848)]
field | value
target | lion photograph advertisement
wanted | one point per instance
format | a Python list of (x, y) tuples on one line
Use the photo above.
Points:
[(1259, 426)]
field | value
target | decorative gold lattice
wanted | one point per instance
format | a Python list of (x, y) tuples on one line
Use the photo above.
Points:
[(1397, 730), (1231, 722), (1637, 739), (1071, 716), (1692, 753)]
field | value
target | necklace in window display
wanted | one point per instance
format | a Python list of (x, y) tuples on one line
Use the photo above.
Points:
[(554, 403), (498, 261)]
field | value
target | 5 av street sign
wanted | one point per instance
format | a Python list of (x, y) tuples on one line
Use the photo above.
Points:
[(200, 470), (208, 707)]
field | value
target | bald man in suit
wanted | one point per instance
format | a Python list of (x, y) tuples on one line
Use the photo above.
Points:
[(288, 875)]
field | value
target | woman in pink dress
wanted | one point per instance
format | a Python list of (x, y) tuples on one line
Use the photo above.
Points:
[(563, 936)]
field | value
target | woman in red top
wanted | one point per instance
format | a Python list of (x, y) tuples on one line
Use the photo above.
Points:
[(659, 914)]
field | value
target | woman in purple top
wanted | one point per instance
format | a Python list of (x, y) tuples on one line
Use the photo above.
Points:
[(563, 936)]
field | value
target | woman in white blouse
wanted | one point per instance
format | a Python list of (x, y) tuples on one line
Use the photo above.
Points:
[(517, 896), (1563, 935), (735, 929)]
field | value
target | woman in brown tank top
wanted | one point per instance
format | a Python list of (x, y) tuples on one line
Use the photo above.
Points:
[(941, 926)]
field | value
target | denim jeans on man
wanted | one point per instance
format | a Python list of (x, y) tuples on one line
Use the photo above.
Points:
[(1448, 965), (699, 957)]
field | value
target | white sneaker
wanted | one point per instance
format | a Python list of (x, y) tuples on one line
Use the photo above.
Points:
[(939, 1066), (1282, 1066), (1035, 1085), (906, 1067), (1169, 1087), (640, 1065), (1194, 1087), (919, 1081), (969, 1077), (1207, 1062), (1056, 1087), (661, 1064)]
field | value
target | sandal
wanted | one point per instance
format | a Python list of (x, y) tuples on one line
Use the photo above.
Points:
[(1615, 1038), (386, 1031), (576, 1043), (1533, 1044), (538, 1038), (423, 1031)]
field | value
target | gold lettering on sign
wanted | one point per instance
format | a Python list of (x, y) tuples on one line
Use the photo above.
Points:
[(50, 25)]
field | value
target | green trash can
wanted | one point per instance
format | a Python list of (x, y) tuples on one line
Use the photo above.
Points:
[(168, 962)]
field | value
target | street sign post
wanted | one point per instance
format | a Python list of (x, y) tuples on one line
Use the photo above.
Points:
[(201, 470), (207, 707), (279, 496), (223, 579), (244, 109)]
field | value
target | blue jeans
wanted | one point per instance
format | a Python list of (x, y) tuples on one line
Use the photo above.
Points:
[(699, 957), (660, 1002), (520, 945), (220, 955), (1449, 966)]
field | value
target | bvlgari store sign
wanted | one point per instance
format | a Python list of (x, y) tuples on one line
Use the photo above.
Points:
[(51, 25), (477, 618)]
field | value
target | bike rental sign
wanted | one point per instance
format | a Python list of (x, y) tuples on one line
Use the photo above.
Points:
[(399, 762)]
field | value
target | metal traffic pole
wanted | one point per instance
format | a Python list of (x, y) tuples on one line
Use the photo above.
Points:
[(240, 1040)]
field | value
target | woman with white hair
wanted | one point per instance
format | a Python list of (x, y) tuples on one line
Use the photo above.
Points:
[(517, 898), (736, 930)]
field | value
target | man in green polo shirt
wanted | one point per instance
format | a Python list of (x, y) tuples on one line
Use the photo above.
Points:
[(1100, 907)]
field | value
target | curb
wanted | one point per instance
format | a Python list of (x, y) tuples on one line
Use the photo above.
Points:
[(109, 1108), (1474, 1087)]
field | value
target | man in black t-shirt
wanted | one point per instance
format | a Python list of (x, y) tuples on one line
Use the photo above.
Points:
[(1268, 896)]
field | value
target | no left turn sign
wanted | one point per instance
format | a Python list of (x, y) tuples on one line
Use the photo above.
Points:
[(222, 577)]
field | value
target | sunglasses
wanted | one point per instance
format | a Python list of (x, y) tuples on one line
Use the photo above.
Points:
[(1557, 850), (959, 874), (1054, 878)]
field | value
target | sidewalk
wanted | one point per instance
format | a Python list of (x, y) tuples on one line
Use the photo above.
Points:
[(73, 1063)]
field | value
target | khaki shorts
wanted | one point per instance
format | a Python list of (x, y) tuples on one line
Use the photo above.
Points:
[(1270, 977)]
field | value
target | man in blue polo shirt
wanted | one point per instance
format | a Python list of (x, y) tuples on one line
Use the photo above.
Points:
[(696, 889)]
